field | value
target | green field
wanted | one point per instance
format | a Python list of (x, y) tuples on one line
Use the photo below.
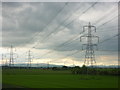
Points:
[(37, 78)]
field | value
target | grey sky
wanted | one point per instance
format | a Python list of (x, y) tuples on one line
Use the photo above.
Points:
[(41, 25)]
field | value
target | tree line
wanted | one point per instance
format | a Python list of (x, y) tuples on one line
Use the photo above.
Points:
[(95, 71)]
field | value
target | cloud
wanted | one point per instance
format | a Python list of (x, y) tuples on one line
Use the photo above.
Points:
[(45, 26)]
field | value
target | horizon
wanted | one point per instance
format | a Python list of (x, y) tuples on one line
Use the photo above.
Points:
[(40, 28)]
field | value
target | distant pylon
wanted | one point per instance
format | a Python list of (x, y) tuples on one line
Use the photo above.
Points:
[(29, 59), (90, 54), (11, 61)]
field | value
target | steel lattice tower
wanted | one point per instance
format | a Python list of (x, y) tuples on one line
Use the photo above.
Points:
[(11, 61), (29, 59), (89, 49)]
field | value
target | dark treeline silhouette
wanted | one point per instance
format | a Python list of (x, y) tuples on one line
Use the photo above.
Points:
[(76, 70), (95, 71)]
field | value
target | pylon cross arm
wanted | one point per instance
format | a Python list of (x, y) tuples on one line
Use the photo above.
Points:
[(81, 37)]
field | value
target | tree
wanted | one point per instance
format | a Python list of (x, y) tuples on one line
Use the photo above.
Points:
[(84, 69), (64, 67)]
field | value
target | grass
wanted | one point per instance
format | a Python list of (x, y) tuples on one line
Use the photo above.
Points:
[(36, 78), (33, 71)]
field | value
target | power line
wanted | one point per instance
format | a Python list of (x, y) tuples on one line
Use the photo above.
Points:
[(60, 24), (106, 16), (64, 44), (68, 41), (103, 23), (60, 46), (108, 21), (106, 50), (97, 50), (76, 36), (69, 22), (82, 50), (109, 27), (109, 38), (67, 25), (86, 10), (98, 44), (71, 54), (82, 32), (53, 18)]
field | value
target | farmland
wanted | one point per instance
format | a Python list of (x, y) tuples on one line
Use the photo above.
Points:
[(47, 78), (45, 44)]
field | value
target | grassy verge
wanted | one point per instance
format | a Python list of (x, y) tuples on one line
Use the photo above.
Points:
[(57, 79)]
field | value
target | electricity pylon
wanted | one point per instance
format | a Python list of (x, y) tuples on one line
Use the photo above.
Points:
[(29, 59), (11, 61), (90, 54)]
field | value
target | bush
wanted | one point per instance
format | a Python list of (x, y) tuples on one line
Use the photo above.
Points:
[(94, 71)]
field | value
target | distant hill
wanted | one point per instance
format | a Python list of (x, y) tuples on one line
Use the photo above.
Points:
[(44, 65), (38, 65)]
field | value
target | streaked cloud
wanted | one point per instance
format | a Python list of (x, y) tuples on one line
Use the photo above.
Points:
[(41, 25)]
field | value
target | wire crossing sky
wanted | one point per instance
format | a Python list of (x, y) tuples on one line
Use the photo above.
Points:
[(51, 30)]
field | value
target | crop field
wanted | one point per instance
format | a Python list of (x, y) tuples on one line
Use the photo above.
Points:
[(39, 78)]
